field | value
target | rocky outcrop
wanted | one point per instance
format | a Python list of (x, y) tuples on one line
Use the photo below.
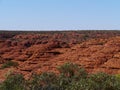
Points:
[(44, 52)]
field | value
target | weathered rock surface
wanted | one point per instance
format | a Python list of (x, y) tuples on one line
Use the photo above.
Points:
[(44, 52)]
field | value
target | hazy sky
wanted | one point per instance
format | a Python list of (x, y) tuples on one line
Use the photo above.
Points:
[(59, 14)]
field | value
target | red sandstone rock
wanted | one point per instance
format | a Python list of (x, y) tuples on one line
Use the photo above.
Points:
[(44, 52)]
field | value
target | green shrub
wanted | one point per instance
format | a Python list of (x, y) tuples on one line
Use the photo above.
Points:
[(9, 64), (71, 70), (13, 82), (117, 76), (83, 84), (70, 73), (43, 81), (105, 81), (68, 69)]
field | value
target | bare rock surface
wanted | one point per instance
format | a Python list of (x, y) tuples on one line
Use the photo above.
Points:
[(40, 52)]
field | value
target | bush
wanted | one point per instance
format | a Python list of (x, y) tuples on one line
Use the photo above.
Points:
[(83, 84), (117, 76), (70, 73), (43, 81), (72, 70), (13, 82), (9, 64), (105, 81)]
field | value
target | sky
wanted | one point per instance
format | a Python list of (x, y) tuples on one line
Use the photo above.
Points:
[(59, 14)]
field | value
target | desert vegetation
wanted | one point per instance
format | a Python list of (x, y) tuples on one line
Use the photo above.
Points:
[(9, 64), (70, 77)]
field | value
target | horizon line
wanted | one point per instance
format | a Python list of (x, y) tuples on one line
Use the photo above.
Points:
[(66, 30)]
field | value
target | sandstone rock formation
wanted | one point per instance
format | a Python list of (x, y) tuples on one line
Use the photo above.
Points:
[(40, 52)]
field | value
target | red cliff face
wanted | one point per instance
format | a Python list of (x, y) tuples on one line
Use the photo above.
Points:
[(36, 53)]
